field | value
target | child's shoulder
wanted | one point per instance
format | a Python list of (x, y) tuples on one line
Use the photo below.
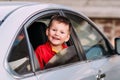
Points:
[(45, 45)]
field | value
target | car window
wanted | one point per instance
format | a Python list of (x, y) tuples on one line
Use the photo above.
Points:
[(92, 42), (37, 36), (18, 58)]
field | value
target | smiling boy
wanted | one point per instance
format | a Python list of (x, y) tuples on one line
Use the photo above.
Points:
[(58, 32)]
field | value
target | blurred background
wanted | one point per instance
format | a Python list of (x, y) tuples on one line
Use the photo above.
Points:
[(105, 13)]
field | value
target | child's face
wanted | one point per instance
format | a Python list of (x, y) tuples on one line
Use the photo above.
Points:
[(58, 33)]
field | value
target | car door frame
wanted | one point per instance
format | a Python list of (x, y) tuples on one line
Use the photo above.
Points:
[(37, 15)]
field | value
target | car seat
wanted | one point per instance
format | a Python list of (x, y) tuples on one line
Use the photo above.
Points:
[(37, 34)]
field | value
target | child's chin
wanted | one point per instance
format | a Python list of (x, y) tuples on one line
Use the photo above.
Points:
[(56, 44)]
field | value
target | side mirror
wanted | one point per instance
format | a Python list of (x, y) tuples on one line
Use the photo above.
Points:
[(117, 45)]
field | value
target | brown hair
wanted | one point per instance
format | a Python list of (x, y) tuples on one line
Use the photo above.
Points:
[(61, 19)]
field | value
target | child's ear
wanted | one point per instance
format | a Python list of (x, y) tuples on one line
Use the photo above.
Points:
[(47, 31), (67, 38)]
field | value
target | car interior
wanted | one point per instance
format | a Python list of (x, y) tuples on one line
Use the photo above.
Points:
[(37, 34)]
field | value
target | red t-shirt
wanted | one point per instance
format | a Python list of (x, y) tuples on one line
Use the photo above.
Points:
[(44, 53)]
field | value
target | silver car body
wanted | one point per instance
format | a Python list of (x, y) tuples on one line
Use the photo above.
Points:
[(13, 16)]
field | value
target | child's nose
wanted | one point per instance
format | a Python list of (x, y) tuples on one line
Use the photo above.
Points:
[(57, 33)]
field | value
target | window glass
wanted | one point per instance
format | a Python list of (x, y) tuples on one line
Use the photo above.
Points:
[(37, 36), (18, 58), (92, 42)]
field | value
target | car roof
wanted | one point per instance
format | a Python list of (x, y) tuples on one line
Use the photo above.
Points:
[(8, 7)]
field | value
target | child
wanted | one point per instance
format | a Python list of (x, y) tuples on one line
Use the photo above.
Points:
[(58, 32)]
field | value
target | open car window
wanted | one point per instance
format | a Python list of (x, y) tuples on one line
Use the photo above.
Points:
[(37, 36)]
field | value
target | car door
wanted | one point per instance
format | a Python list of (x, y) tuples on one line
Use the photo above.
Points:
[(100, 58), (70, 68)]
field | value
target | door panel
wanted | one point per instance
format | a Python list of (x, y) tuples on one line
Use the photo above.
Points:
[(112, 68), (75, 71)]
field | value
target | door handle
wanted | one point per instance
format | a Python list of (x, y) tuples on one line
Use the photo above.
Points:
[(100, 75)]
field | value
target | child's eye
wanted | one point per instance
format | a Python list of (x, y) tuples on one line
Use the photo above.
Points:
[(62, 32), (53, 29)]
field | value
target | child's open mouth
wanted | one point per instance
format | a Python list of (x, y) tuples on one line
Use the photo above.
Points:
[(55, 38)]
